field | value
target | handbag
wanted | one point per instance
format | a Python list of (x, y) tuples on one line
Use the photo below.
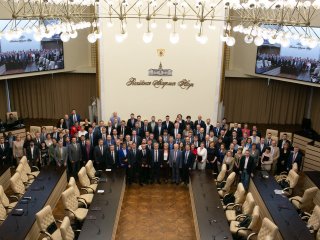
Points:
[(284, 184), (245, 222), (229, 198)]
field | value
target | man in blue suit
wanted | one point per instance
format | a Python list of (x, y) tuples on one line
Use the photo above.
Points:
[(175, 163), (295, 157), (74, 117), (188, 159), (156, 162)]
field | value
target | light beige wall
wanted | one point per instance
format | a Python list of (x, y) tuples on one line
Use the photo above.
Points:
[(77, 54), (201, 64)]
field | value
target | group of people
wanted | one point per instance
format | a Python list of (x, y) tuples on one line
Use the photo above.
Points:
[(20, 59), (156, 150)]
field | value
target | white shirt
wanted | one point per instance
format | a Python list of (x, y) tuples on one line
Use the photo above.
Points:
[(246, 162)]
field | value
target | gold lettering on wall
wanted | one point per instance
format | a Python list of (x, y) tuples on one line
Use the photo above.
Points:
[(184, 84)]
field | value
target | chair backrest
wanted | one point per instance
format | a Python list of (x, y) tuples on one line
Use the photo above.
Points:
[(289, 135), (314, 220), (3, 197), (66, 229), (16, 184), (292, 178), (44, 218), (49, 129), (229, 182), (34, 129), (273, 132), (72, 183), (69, 199), (295, 167), (255, 218), (83, 177), (21, 170), (308, 196), (268, 230), (3, 212), (240, 194), (222, 174), (91, 171), (25, 163), (248, 204)]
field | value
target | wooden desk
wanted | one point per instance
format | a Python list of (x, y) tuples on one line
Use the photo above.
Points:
[(106, 222), (312, 179), (54, 182), (206, 206), (5, 175), (278, 209)]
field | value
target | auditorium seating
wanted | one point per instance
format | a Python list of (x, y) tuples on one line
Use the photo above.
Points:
[(23, 175), (226, 189), (85, 181), (86, 199), (91, 171), (70, 203), (268, 231), (306, 201), (245, 231), (49, 129), (34, 129), (17, 185), (313, 220), (284, 174), (239, 196), (67, 232), (27, 168), (47, 223), (289, 135), (246, 208), (4, 200), (292, 179), (222, 174)]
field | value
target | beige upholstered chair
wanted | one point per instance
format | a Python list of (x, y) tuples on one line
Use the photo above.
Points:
[(91, 171), (306, 201), (292, 179), (238, 231), (274, 133), (232, 125), (17, 185), (3, 213), (239, 195), (49, 129), (23, 175), (4, 200), (289, 135), (34, 129), (28, 170), (318, 235), (67, 232), (226, 189), (44, 219), (268, 231), (85, 181), (246, 208), (84, 198), (284, 174), (313, 219), (222, 174), (70, 203)]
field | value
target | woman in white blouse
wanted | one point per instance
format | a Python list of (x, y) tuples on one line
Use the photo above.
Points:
[(202, 157), (82, 131)]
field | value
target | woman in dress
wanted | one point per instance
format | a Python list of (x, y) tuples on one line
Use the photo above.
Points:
[(283, 158), (17, 150), (82, 131), (212, 158), (44, 154), (202, 156), (266, 159), (229, 161), (166, 168), (245, 129), (86, 124), (221, 153), (26, 144), (61, 124), (48, 140)]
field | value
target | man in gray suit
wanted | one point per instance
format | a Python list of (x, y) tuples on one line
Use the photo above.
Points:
[(175, 162), (74, 153), (61, 154)]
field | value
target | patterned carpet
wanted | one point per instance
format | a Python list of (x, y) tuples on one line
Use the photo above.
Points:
[(156, 212)]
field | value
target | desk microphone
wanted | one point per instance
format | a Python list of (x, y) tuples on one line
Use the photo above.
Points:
[(99, 230)]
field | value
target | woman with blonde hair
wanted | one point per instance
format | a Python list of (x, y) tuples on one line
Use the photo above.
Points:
[(17, 149)]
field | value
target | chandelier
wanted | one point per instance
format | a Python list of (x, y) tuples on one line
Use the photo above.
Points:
[(277, 21)]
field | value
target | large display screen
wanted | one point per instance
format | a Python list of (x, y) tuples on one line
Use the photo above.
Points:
[(297, 61), (25, 54)]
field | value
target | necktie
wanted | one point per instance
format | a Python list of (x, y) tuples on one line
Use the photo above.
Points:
[(122, 130), (112, 153), (156, 158), (134, 152), (31, 153), (101, 149), (175, 156), (144, 152), (187, 154), (74, 118)]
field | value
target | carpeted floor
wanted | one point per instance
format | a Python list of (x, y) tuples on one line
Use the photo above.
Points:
[(156, 212)]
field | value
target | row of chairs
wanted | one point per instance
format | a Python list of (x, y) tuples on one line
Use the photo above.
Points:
[(75, 204)]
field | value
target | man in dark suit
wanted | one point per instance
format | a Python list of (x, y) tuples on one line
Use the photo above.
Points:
[(187, 162), (158, 130), (100, 155), (261, 146), (109, 128), (112, 158), (237, 130), (295, 157), (283, 141), (156, 163), (254, 128), (225, 138), (246, 168), (133, 163), (37, 140), (67, 122), (75, 155), (144, 162), (61, 155), (168, 125), (33, 155), (87, 152), (209, 126), (152, 125), (74, 117), (201, 135), (4, 152), (175, 162), (176, 130), (55, 134), (92, 137), (145, 128), (217, 129), (200, 122), (131, 123), (188, 121), (123, 129), (135, 138)]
